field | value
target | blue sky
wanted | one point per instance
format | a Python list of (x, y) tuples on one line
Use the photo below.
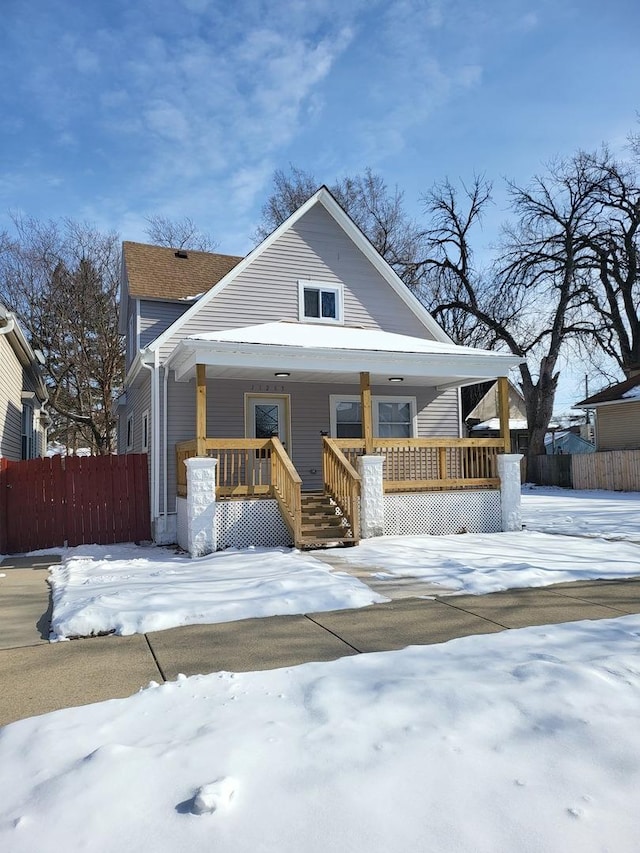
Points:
[(115, 110)]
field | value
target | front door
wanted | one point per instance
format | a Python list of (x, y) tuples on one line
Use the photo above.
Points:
[(268, 417)]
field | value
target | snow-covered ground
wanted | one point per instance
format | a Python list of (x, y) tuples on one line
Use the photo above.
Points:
[(132, 590), (478, 563), (128, 589), (610, 515), (523, 741)]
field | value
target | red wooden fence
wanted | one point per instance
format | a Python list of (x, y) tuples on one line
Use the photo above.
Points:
[(77, 500), (3, 506)]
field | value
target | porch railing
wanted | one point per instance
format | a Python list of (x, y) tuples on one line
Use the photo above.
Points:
[(419, 464), (342, 482), (249, 467)]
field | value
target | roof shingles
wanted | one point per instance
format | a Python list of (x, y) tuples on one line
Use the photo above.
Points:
[(157, 272)]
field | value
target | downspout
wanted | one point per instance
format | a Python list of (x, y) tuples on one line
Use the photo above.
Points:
[(165, 429), (152, 368)]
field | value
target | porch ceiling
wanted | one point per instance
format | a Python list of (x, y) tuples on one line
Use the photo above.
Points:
[(335, 355)]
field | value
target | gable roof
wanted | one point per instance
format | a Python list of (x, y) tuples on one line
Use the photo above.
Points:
[(158, 272), (324, 197), (618, 393)]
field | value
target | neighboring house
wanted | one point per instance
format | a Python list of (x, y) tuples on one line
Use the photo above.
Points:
[(23, 396), (566, 442), (617, 415), (480, 413), (287, 365)]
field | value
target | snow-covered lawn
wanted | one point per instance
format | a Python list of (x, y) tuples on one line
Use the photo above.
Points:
[(132, 590), (611, 515), (479, 563), (523, 741), (128, 590)]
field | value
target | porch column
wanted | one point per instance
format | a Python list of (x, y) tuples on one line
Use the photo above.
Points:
[(370, 469), (503, 412), (201, 409), (365, 408), (201, 505), (510, 495)]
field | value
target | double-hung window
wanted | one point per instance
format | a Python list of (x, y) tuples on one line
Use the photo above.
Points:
[(393, 417), (320, 302)]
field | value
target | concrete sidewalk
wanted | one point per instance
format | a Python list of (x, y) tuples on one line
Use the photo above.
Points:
[(38, 677)]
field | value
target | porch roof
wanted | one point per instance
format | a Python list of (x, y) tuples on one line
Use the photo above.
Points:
[(323, 353)]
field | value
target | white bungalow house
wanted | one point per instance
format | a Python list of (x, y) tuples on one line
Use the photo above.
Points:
[(288, 367)]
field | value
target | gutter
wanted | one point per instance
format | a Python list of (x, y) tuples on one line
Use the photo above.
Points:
[(155, 426)]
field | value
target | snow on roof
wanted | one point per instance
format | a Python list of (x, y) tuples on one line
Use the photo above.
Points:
[(494, 423), (632, 393), (318, 336)]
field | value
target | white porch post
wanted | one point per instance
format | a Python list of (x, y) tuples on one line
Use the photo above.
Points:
[(201, 505), (510, 496), (371, 496)]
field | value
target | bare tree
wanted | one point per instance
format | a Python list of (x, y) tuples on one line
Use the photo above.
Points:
[(62, 280), (535, 296), (614, 240), (376, 210), (178, 234)]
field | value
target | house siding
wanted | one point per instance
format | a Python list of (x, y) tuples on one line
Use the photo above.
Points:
[(314, 248), (10, 402), (437, 415), (618, 426), (156, 316), (14, 379), (138, 401)]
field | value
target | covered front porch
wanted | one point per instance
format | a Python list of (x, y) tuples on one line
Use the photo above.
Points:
[(320, 496)]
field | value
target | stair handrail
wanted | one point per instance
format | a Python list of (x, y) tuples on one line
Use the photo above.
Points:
[(342, 482), (286, 485)]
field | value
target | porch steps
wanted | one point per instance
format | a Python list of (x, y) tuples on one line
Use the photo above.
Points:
[(323, 523)]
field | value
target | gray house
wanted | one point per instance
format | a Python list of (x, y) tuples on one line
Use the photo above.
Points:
[(23, 396), (286, 366)]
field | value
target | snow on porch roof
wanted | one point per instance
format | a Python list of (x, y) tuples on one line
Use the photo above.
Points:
[(316, 352), (318, 336)]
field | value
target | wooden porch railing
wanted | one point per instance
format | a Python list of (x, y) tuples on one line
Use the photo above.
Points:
[(423, 464), (342, 482), (249, 467), (286, 486)]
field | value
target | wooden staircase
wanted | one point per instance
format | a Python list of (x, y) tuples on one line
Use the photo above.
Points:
[(323, 522)]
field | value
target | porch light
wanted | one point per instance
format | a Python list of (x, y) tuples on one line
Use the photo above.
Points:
[(396, 379), (281, 375)]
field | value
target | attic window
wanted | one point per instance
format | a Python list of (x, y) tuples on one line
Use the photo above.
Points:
[(319, 302), (181, 254)]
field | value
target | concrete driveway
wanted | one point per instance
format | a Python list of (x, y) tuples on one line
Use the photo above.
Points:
[(37, 676)]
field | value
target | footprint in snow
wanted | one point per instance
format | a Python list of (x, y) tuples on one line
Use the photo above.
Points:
[(214, 796)]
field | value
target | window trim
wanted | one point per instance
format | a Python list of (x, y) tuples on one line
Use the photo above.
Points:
[(27, 430), (328, 287), (128, 438), (145, 431), (334, 399)]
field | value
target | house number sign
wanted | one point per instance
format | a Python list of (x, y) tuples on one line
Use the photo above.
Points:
[(269, 387)]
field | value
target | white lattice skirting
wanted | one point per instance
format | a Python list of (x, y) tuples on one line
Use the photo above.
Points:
[(240, 524), (441, 513)]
